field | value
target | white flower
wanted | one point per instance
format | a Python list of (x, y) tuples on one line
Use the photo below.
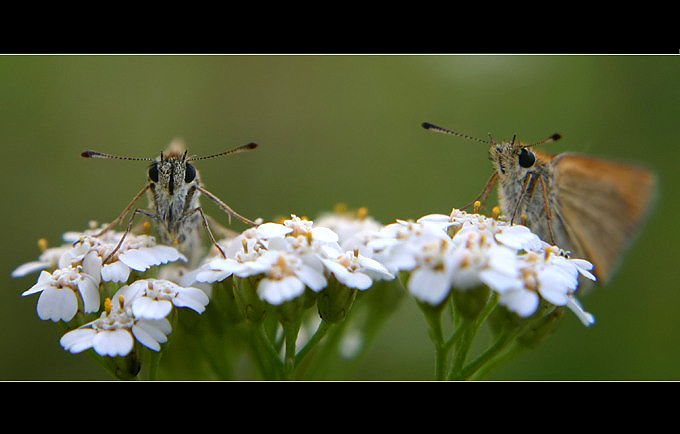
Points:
[(356, 271), (462, 251), (115, 331), (397, 244), (138, 252), (154, 298), (48, 259), (353, 229), (295, 227), (287, 256), (60, 290), (551, 275), (286, 276)]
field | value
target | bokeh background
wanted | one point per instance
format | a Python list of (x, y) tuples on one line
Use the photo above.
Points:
[(341, 128)]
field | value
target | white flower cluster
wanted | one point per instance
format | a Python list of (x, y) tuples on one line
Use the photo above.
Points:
[(73, 285), (140, 315), (463, 251), (289, 257)]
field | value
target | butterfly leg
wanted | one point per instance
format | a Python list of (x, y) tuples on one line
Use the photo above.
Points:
[(548, 212), (127, 231), (225, 207), (207, 228), (485, 193), (124, 213), (528, 184)]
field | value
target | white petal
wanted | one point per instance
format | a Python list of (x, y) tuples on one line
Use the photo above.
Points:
[(115, 272), (499, 282), (92, 265), (209, 276), (137, 259), (313, 278), (193, 298), (522, 302), (27, 268), (57, 304), (165, 253), (519, 237), (148, 336), (157, 329), (89, 292), (227, 264), (272, 230), (44, 281), (429, 286), (145, 307), (586, 318), (113, 342), (356, 280), (133, 291), (77, 340), (325, 235), (554, 286), (376, 268), (277, 291), (334, 267)]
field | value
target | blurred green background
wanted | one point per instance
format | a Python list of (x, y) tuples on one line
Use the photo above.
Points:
[(341, 128)]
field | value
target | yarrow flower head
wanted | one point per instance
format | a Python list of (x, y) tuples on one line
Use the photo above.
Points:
[(77, 269), (463, 251), (61, 290), (115, 332), (289, 257), (154, 298), (137, 252)]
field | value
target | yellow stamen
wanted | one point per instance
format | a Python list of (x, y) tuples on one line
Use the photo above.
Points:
[(107, 305), (362, 213), (495, 212), (340, 208), (476, 206), (244, 243), (147, 228), (42, 244), (121, 301), (523, 219)]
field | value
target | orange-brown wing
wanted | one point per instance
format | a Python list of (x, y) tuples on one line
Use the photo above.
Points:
[(603, 204)]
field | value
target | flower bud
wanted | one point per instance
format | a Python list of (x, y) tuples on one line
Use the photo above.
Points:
[(470, 303), (541, 329), (249, 303), (224, 300), (335, 301)]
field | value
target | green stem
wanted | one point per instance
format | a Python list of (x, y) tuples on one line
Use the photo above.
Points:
[(464, 336), (496, 363), (265, 354), (290, 335), (320, 333), (479, 362), (154, 362), (433, 316)]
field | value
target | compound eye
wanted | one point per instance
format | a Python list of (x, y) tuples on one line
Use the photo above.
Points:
[(189, 173), (526, 158), (153, 172)]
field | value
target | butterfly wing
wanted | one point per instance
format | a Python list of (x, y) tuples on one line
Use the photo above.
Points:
[(603, 204)]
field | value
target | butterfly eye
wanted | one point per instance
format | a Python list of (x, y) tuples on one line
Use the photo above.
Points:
[(526, 158), (153, 172), (189, 173)]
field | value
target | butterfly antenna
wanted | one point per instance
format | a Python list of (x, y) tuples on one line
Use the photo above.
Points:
[(555, 137), (231, 151), (435, 128), (95, 154)]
